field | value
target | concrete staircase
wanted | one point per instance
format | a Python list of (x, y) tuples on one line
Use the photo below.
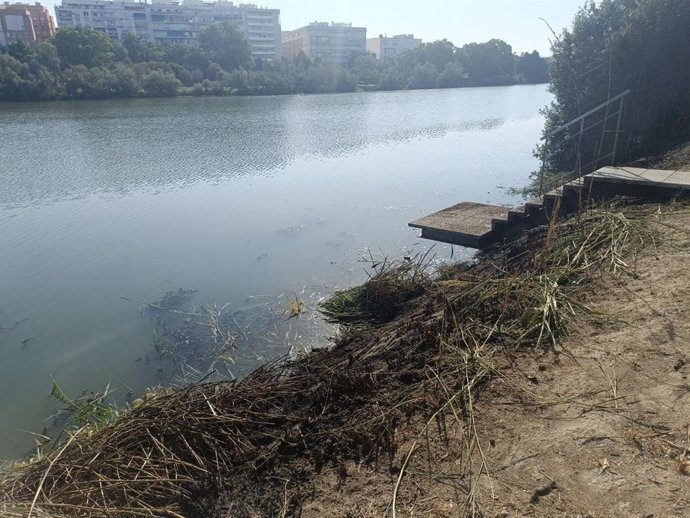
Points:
[(477, 225)]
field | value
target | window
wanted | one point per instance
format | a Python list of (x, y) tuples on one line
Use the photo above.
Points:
[(14, 22)]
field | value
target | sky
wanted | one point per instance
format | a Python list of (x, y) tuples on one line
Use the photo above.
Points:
[(460, 21)]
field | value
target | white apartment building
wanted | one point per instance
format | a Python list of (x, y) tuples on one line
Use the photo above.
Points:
[(174, 21), (385, 48), (332, 43)]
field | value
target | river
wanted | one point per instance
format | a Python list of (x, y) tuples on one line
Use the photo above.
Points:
[(251, 201)]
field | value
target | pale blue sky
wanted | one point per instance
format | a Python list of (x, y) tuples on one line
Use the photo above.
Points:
[(460, 21)]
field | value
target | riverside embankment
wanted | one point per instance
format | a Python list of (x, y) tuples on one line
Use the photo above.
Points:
[(428, 401)]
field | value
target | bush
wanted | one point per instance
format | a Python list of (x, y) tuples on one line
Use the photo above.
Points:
[(160, 84)]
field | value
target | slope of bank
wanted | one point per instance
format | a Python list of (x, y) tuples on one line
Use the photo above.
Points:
[(601, 426), (597, 426)]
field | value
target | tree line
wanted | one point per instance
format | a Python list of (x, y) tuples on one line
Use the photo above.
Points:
[(81, 63), (614, 46)]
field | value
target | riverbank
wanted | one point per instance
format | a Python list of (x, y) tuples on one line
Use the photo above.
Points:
[(215, 89), (418, 407), (222, 65)]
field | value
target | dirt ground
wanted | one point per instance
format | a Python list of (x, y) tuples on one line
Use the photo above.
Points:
[(677, 159), (605, 425), (598, 428)]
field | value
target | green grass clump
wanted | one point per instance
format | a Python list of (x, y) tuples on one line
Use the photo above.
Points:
[(384, 295)]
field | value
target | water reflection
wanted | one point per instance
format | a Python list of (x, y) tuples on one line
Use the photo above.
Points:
[(75, 149)]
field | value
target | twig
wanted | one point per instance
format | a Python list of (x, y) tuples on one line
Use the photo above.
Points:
[(52, 463)]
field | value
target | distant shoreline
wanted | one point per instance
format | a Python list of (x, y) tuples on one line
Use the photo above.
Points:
[(185, 94)]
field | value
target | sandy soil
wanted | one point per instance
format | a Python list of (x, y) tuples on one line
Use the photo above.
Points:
[(605, 425)]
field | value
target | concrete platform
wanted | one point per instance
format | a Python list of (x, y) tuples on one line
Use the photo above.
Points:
[(466, 224), (638, 177)]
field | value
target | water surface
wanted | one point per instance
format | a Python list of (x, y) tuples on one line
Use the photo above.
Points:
[(243, 199)]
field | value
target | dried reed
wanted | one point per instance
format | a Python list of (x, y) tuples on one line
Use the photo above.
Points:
[(178, 452)]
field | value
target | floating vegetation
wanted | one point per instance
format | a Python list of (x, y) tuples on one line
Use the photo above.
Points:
[(295, 307), (199, 339), (94, 408), (220, 342), (290, 231), (173, 300), (14, 326)]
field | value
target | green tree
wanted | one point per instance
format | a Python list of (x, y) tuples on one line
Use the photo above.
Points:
[(192, 57), (225, 45), (438, 53), (20, 51), (613, 46), (77, 82), (82, 46), (424, 76), (12, 83), (488, 62), (139, 49), (46, 54), (26, 81), (365, 69), (453, 76), (123, 82), (532, 68), (393, 78), (160, 84), (215, 72)]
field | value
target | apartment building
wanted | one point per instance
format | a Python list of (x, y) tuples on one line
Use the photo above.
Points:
[(175, 22), (331, 43), (385, 48), (28, 23)]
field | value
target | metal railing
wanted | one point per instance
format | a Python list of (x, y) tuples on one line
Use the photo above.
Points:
[(587, 125)]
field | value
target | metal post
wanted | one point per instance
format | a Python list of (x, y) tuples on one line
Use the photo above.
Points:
[(578, 148), (544, 151), (618, 128)]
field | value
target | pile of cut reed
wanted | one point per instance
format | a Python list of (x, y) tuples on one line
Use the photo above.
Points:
[(229, 447)]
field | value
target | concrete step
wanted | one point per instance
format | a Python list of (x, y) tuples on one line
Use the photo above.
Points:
[(500, 222), (638, 182), (517, 214), (534, 205), (576, 184), (467, 224)]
